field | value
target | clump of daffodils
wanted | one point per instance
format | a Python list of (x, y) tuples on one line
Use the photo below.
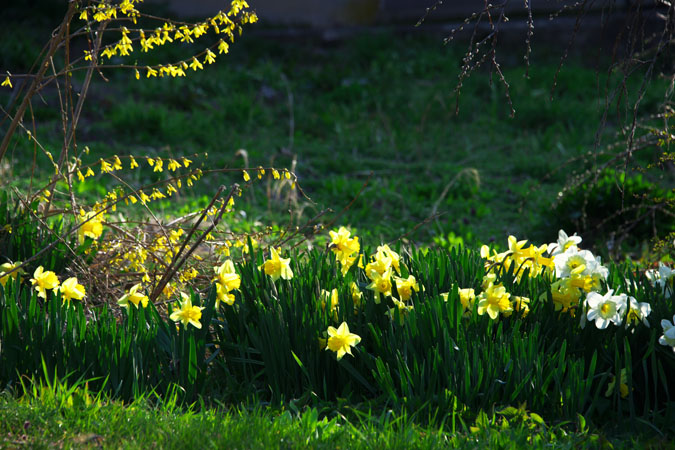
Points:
[(380, 271), (518, 258)]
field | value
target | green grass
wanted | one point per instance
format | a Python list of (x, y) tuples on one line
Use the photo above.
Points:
[(377, 104), (73, 418)]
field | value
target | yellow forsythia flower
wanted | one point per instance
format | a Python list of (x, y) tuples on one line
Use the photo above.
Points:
[(91, 225)]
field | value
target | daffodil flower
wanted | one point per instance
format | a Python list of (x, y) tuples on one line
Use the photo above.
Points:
[(187, 313), (7, 267), (277, 267), (341, 341), (70, 289), (43, 280), (134, 297)]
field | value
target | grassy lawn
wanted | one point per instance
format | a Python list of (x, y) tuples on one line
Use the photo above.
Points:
[(373, 116), (71, 418)]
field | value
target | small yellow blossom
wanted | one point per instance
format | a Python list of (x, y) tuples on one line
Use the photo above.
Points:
[(223, 295), (7, 82), (467, 297), (246, 176), (521, 304), (565, 296), (91, 225), (223, 47), (391, 255), (195, 64), (210, 57), (106, 167), (341, 341), (623, 385)]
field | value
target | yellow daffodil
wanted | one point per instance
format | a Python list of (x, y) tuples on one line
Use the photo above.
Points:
[(380, 285), (134, 297), (356, 294), (43, 280), (405, 287), (623, 385), (494, 300), (71, 290), (565, 296), (403, 311), (380, 264), (521, 304), (467, 297), (341, 341), (394, 257), (7, 267), (330, 298), (226, 275), (186, 313), (223, 295), (277, 267), (349, 262)]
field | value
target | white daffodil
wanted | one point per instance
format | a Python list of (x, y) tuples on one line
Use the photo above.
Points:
[(573, 258), (604, 309), (668, 337), (564, 242), (663, 279), (637, 312)]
